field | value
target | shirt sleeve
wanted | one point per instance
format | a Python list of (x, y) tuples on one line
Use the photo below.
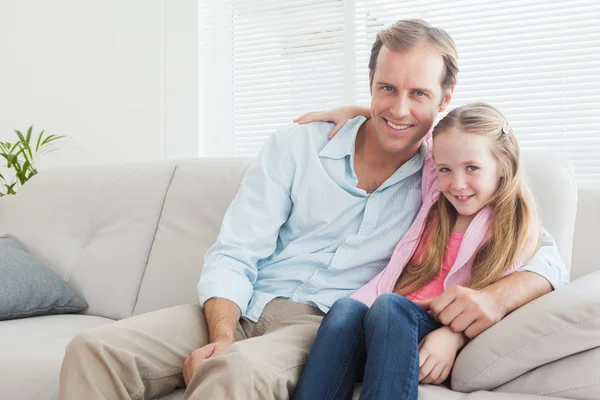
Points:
[(251, 225), (547, 263)]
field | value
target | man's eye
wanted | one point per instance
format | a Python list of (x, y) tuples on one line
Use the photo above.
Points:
[(419, 93), (388, 88)]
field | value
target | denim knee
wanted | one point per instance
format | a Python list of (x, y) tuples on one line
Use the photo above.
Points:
[(346, 312), (388, 305)]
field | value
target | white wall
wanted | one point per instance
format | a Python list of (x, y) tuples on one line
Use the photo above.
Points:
[(120, 77)]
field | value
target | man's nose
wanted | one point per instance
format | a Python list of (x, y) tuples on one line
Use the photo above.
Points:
[(401, 107)]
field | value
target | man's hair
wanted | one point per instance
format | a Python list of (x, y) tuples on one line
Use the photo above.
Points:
[(404, 35)]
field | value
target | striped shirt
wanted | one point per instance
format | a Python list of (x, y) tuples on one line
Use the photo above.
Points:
[(300, 229)]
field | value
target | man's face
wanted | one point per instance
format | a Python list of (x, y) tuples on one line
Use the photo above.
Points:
[(406, 95)]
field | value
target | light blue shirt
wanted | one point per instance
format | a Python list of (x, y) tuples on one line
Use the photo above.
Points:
[(300, 229)]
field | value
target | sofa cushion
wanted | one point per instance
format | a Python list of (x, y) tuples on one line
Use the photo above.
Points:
[(559, 324), (551, 179), (585, 242), (32, 350), (93, 226), (573, 377), (199, 194), (29, 288)]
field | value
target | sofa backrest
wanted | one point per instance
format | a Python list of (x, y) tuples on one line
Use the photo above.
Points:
[(94, 226), (586, 252), (132, 238), (198, 197), (552, 182)]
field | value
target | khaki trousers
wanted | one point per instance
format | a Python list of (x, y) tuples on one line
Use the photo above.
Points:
[(142, 357)]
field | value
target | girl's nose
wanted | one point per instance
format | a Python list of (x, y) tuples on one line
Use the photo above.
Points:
[(459, 183)]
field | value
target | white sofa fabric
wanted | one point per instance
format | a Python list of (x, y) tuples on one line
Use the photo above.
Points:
[(131, 239)]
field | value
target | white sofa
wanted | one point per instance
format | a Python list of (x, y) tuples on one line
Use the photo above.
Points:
[(131, 239)]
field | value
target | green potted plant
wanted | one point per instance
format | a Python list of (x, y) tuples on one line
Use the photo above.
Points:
[(20, 158)]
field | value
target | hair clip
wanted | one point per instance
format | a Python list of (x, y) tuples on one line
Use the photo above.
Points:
[(505, 128)]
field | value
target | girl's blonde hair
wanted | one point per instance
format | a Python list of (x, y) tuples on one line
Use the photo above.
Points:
[(514, 213)]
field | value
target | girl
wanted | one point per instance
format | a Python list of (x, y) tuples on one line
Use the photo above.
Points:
[(478, 223)]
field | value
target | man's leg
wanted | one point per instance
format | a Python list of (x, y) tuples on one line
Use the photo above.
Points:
[(266, 366), (135, 358)]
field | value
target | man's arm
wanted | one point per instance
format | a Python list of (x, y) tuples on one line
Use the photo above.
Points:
[(249, 233), (222, 318), (251, 225), (516, 290), (473, 311)]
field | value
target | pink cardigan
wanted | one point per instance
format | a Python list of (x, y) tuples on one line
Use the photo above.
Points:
[(460, 272)]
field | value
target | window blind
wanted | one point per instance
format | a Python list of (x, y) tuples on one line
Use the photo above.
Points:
[(538, 61)]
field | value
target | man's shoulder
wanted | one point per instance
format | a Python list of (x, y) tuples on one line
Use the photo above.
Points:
[(303, 137), (291, 131)]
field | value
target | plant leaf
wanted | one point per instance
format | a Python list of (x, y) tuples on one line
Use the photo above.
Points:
[(28, 138), (14, 146), (37, 146), (10, 159), (32, 173), (27, 143), (20, 135), (10, 189), (51, 138)]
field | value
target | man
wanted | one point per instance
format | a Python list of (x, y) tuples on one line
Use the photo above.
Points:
[(313, 221)]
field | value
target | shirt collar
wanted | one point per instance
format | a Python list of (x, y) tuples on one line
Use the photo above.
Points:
[(412, 166), (343, 142)]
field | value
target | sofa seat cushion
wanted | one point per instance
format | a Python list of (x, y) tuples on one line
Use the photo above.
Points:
[(429, 392), (31, 353)]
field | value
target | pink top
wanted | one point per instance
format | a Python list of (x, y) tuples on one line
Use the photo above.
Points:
[(460, 271), (436, 286)]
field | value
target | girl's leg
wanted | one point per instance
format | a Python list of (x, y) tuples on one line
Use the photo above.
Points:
[(337, 356), (394, 326)]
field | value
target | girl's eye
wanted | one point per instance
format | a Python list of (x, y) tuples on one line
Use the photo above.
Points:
[(472, 168), (444, 169)]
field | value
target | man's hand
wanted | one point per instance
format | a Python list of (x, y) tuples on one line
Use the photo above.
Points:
[(465, 310), (222, 318), (203, 353), (437, 352)]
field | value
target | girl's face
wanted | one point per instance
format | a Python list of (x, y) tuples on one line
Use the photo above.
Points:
[(467, 171)]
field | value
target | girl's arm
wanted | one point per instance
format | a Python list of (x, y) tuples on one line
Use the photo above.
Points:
[(437, 353)]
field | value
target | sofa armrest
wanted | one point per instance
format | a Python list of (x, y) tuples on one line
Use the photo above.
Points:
[(561, 323)]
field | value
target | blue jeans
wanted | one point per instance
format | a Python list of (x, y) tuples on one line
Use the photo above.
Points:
[(377, 346)]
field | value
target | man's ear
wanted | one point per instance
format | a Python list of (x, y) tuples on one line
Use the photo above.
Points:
[(371, 82), (448, 93)]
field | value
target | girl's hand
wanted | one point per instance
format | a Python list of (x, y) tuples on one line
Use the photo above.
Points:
[(437, 352), (339, 116)]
